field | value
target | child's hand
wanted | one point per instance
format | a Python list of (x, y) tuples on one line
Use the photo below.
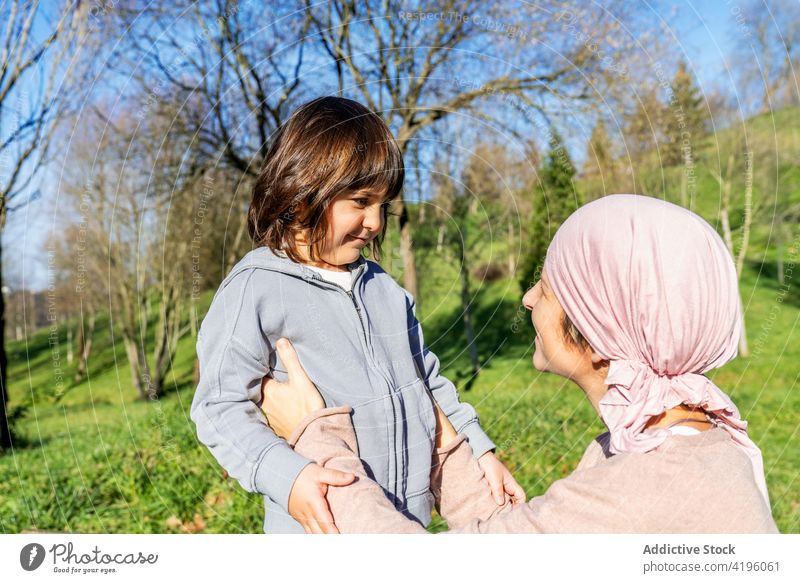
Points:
[(307, 503), (500, 480), (287, 404)]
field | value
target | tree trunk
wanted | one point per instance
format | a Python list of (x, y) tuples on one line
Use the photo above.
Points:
[(744, 349), (407, 250), (5, 430), (512, 261), (406, 231), (132, 351), (779, 246), (233, 256), (70, 354), (684, 189), (161, 351), (86, 335), (466, 314), (168, 334), (724, 217), (196, 375)]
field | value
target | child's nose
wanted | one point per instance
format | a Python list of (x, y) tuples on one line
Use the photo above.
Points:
[(373, 218)]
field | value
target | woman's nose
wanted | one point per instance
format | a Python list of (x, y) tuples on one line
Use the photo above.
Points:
[(529, 299)]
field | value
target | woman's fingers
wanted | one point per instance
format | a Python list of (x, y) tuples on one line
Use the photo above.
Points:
[(290, 360), (335, 477), (324, 519), (445, 432), (314, 527), (267, 383)]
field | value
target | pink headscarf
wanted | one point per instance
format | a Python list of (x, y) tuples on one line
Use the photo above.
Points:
[(653, 289)]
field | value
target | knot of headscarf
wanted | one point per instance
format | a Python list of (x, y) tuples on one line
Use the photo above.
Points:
[(653, 289)]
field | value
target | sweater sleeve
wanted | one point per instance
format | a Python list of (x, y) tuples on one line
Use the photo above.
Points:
[(328, 437), (234, 357), (457, 482), (624, 496), (459, 488), (462, 415)]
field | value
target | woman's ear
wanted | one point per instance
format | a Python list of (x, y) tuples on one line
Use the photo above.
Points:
[(597, 359), (599, 364)]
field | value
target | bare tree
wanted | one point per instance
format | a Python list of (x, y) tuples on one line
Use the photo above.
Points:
[(600, 167), (35, 80), (768, 47), (134, 185), (236, 65), (457, 235), (419, 62), (83, 290), (502, 181), (726, 184)]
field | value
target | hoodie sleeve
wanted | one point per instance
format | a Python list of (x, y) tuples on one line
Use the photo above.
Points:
[(461, 415), (234, 357)]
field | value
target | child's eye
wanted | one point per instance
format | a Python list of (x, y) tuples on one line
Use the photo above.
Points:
[(361, 201)]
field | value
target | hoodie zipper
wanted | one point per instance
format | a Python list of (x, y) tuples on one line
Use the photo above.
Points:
[(351, 295), (354, 301), (319, 279)]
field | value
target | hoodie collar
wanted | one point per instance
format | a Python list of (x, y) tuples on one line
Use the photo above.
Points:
[(266, 258)]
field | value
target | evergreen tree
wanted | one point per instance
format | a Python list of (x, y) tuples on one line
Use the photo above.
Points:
[(554, 200), (600, 167), (644, 132), (686, 118), (644, 127)]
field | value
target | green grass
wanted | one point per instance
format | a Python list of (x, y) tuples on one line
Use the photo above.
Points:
[(101, 461)]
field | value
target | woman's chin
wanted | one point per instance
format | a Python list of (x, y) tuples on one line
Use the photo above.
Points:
[(539, 362)]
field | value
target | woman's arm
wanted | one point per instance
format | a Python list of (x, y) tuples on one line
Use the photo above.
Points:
[(294, 410), (327, 436), (458, 484), (462, 494)]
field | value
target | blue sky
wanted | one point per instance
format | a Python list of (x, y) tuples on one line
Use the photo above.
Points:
[(706, 40)]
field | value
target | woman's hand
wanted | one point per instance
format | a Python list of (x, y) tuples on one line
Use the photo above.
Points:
[(307, 502), (500, 479), (287, 404), (445, 432)]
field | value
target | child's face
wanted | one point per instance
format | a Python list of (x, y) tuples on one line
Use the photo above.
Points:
[(354, 219)]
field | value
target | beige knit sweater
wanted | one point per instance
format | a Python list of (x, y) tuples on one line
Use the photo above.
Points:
[(690, 484)]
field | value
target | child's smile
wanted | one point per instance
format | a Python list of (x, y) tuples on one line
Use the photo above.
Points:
[(354, 220)]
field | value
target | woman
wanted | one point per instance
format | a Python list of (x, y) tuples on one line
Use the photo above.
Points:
[(637, 300)]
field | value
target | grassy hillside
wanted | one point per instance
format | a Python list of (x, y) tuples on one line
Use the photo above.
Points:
[(98, 460)]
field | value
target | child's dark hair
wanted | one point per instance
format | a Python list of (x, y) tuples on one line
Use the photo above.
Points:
[(330, 146)]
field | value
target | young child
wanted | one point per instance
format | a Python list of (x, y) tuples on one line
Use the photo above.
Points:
[(320, 200)]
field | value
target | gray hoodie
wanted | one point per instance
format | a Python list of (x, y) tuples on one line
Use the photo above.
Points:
[(363, 349)]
